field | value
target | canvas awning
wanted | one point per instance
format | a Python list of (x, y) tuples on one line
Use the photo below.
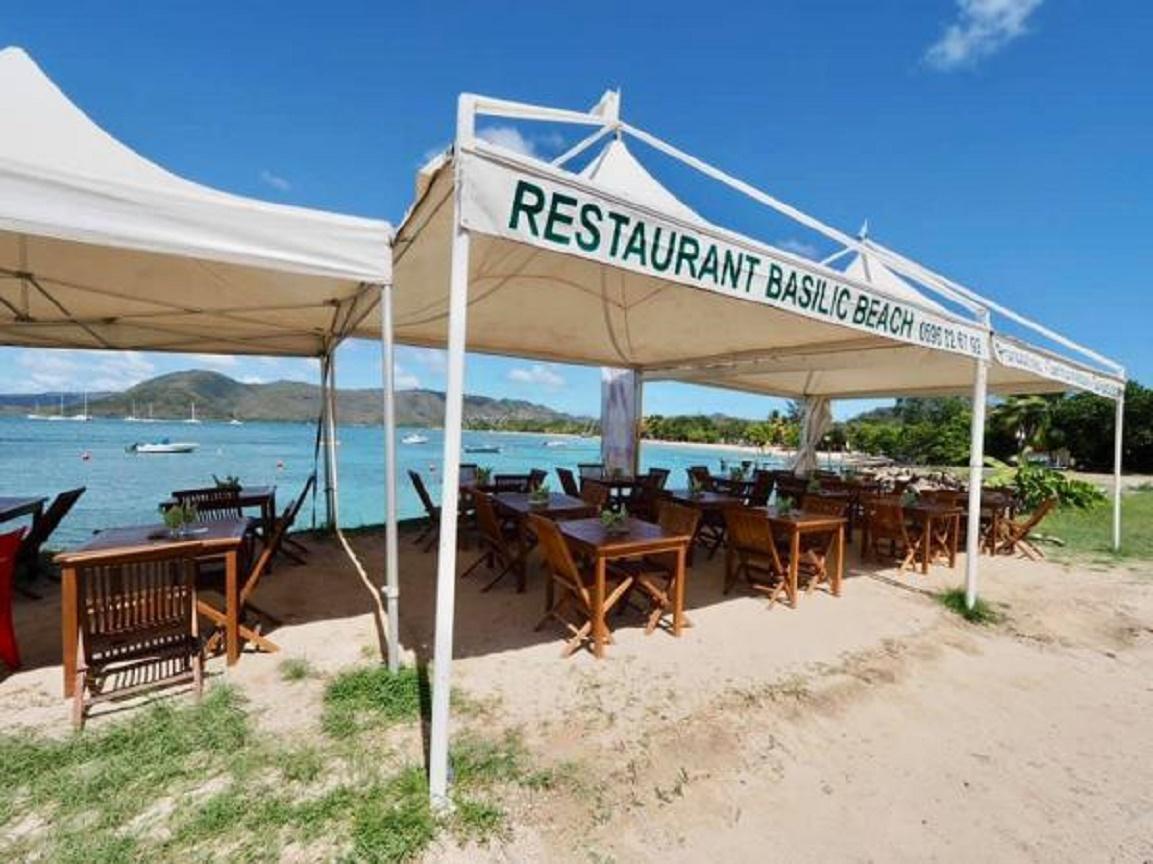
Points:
[(101, 248)]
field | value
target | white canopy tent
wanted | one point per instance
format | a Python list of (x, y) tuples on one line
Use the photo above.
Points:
[(102, 249), (507, 254)]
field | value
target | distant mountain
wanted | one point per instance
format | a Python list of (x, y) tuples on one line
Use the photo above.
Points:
[(218, 397)]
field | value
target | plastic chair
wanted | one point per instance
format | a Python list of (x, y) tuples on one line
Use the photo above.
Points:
[(9, 549)]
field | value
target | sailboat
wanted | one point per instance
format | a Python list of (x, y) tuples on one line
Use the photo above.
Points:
[(36, 415), (149, 418), (84, 416), (132, 418), (192, 416), (59, 416)]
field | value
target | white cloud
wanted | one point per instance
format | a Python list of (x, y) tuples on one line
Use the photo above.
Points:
[(405, 380), (982, 28), (252, 379), (433, 359), (82, 370), (216, 361), (508, 138), (538, 375), (277, 182), (798, 247)]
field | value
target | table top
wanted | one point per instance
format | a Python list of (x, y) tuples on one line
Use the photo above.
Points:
[(703, 499), (249, 496), (557, 504), (217, 536), (641, 537), (799, 519), (620, 481), (933, 508), (13, 508)]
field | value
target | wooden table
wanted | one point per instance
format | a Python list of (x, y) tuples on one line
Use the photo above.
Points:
[(519, 505), (704, 500), (224, 539), (589, 537), (263, 497), (929, 513), (795, 525), (14, 508)]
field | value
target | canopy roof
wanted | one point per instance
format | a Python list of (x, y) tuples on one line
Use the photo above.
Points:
[(606, 266), (101, 248)]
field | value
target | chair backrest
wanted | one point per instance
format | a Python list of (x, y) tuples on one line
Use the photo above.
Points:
[(596, 494), (885, 517), (536, 477), (557, 556), (422, 493), (591, 470), (511, 482), (267, 553), (750, 531), (1034, 519), (468, 473), (130, 600), (293, 509), (487, 522), (791, 486), (825, 505), (762, 488), (677, 518), (9, 548), (212, 505), (699, 474), (50, 520), (658, 477), (568, 482)]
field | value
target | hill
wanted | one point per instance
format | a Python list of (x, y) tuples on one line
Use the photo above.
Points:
[(219, 397)]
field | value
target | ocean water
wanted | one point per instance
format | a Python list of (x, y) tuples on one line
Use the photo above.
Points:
[(44, 458)]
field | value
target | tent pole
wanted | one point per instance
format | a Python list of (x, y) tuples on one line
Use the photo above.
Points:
[(976, 478), (1118, 433), (391, 564), (638, 422), (450, 477), (330, 451), (322, 437)]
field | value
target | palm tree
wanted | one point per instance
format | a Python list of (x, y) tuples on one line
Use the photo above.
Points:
[(1026, 418)]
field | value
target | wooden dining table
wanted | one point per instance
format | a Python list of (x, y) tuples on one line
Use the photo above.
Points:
[(519, 505), (931, 514), (797, 524), (224, 539), (590, 538), (250, 497)]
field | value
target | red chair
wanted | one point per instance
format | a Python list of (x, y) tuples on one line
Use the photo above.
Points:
[(9, 547)]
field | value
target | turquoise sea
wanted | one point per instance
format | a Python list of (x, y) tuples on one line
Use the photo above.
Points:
[(44, 458)]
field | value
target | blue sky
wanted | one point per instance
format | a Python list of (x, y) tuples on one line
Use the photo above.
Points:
[(1004, 142)]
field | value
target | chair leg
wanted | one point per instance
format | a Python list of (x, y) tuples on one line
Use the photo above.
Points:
[(78, 701), (198, 675)]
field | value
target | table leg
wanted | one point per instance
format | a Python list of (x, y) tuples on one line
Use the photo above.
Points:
[(794, 565), (839, 573), (679, 594), (953, 540), (521, 555), (69, 628), (231, 610), (927, 545), (600, 630)]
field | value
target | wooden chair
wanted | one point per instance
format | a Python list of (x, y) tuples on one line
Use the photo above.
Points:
[(535, 478), (431, 531), (886, 522), (792, 487), (761, 489), (1014, 533), (595, 494), (655, 575), (644, 499), (44, 527), (591, 471), (500, 543), (468, 472), (568, 483), (699, 474), (289, 547), (511, 483), (9, 550), (658, 477), (815, 548), (138, 627), (212, 504), (573, 607), (752, 553)]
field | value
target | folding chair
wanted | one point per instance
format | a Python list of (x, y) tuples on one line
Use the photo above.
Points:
[(535, 478), (595, 494), (699, 474), (289, 547), (213, 504), (9, 549), (761, 490), (511, 482), (815, 548), (138, 627), (44, 527), (655, 575), (431, 530), (568, 482), (573, 607), (885, 521), (1015, 532), (752, 553), (500, 544)]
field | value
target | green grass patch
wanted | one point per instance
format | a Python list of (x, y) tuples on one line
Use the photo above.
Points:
[(1090, 532), (178, 782), (373, 697), (981, 613), (296, 669)]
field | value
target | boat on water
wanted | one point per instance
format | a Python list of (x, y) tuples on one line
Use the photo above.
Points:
[(61, 415), (36, 415), (192, 415), (414, 438), (555, 443), (84, 416), (162, 446), (481, 448), (235, 422)]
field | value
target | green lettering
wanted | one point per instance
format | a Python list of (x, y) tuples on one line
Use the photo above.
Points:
[(731, 268), (773, 284), (522, 204), (658, 265), (619, 221), (790, 292), (862, 310), (557, 217), (806, 291), (709, 265), (636, 244), (753, 261), (591, 240), (684, 256)]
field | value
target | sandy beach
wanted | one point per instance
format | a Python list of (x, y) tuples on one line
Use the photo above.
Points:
[(876, 726)]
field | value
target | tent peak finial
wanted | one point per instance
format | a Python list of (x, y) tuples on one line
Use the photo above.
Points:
[(863, 234), (609, 106)]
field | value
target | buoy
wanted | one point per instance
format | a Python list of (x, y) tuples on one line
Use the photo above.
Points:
[(85, 455), (279, 464)]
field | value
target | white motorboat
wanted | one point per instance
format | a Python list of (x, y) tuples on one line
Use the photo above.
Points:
[(164, 446), (414, 438)]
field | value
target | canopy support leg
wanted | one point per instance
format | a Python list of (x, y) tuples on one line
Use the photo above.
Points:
[(976, 478), (391, 541), (1118, 433), (449, 497), (330, 447), (322, 438)]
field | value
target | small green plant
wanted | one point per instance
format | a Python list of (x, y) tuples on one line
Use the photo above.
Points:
[(179, 516), (784, 505), (1034, 484), (483, 476), (736, 473), (372, 696), (615, 521), (814, 485), (695, 487), (540, 495), (296, 669), (980, 613), (909, 498), (229, 481)]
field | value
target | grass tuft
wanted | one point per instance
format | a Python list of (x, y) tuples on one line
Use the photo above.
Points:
[(296, 669), (372, 697), (981, 613)]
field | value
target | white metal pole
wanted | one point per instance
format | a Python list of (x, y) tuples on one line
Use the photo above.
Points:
[(391, 563), (324, 361), (976, 478), (330, 436), (1117, 451), (450, 475)]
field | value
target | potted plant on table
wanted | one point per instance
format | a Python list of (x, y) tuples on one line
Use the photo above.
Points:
[(229, 481), (539, 496), (178, 517), (784, 506), (695, 488), (615, 521), (483, 476), (814, 485)]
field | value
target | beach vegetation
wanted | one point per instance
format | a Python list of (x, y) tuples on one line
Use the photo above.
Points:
[(981, 612)]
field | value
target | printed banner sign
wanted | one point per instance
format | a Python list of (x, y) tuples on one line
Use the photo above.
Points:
[(1017, 357), (520, 204)]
